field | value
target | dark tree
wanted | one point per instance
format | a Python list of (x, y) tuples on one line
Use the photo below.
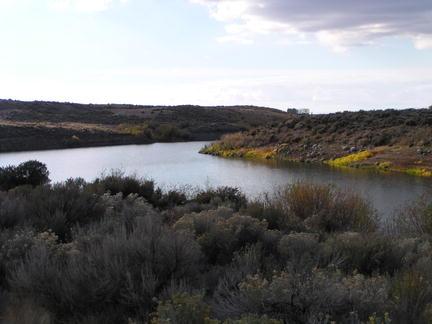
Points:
[(33, 173)]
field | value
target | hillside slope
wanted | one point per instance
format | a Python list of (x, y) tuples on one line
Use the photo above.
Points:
[(399, 140), (49, 125)]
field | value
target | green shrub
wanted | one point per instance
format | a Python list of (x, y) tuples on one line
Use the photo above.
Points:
[(415, 219), (312, 207), (116, 183), (12, 210), (231, 197), (412, 294), (297, 297), (367, 254), (183, 308), (253, 319), (220, 232), (33, 173), (62, 206), (168, 200), (119, 273), (296, 247)]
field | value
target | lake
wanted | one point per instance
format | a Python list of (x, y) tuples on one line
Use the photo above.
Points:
[(179, 164)]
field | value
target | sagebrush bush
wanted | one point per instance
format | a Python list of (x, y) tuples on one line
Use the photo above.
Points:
[(121, 272), (61, 206), (367, 254), (183, 308), (297, 246), (412, 294), (222, 232), (415, 219), (12, 210), (117, 182), (231, 197), (299, 297), (305, 206)]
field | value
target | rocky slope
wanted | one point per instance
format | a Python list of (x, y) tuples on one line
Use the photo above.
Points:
[(397, 140)]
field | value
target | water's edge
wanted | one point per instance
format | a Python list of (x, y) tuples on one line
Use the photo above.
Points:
[(180, 164)]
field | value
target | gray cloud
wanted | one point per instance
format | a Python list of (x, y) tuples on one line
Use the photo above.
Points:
[(337, 23)]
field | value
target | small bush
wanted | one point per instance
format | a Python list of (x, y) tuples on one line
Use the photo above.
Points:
[(183, 308), (304, 206), (253, 319), (297, 246), (366, 254), (12, 210), (118, 183), (415, 219), (412, 295), (297, 297), (168, 200), (231, 197), (220, 232), (63, 206), (119, 273)]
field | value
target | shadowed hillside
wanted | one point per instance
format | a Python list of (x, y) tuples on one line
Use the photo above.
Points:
[(49, 125)]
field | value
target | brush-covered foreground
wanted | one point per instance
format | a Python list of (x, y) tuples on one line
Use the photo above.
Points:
[(120, 250), (387, 140)]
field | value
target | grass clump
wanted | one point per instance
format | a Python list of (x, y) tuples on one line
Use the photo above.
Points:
[(230, 147), (420, 172), (351, 159)]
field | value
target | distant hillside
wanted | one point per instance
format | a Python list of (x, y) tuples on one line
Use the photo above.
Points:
[(49, 125), (387, 139)]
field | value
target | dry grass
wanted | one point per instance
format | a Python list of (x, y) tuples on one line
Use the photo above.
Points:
[(351, 159)]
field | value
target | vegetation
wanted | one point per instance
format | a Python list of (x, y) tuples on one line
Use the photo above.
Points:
[(389, 140), (121, 250), (50, 125), (31, 173), (351, 159)]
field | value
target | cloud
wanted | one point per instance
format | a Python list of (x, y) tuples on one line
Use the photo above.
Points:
[(339, 24), (63, 5), (83, 5)]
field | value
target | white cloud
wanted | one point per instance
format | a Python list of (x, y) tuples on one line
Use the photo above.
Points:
[(339, 24), (423, 41), (7, 3), (83, 5)]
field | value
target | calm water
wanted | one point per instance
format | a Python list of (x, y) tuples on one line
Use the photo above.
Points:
[(179, 164)]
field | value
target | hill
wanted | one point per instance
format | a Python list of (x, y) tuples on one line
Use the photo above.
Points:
[(398, 140), (50, 125)]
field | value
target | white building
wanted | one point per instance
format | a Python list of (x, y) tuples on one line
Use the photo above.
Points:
[(301, 111)]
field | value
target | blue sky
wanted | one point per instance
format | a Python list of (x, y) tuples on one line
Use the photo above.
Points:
[(326, 55)]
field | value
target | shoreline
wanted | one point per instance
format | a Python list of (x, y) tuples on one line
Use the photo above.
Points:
[(98, 145), (365, 159)]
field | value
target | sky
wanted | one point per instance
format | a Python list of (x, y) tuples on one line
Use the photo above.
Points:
[(328, 56)]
